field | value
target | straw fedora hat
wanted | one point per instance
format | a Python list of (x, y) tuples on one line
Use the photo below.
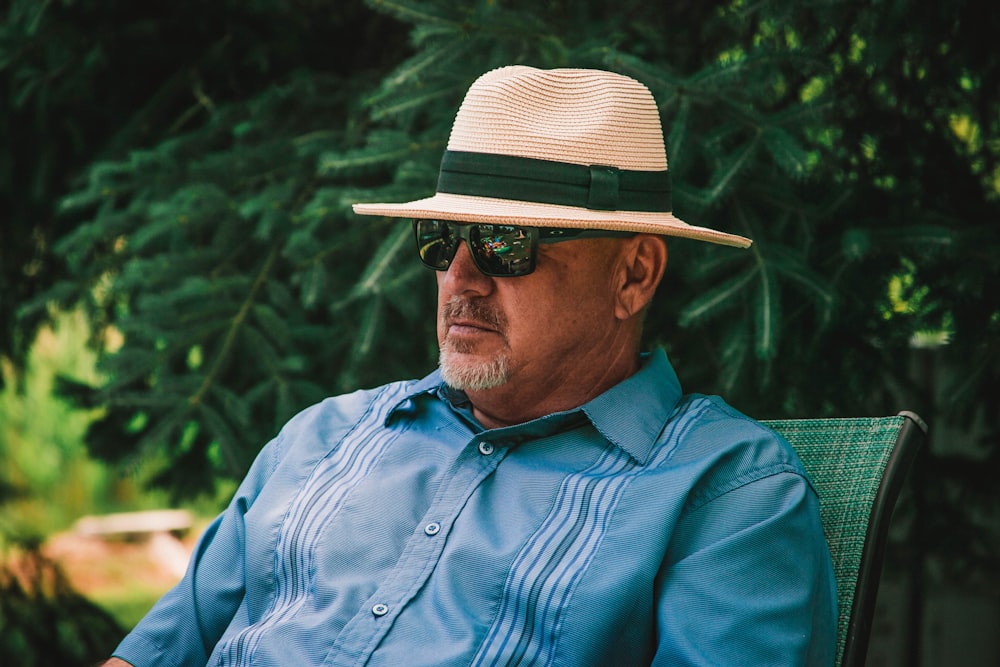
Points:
[(575, 148)]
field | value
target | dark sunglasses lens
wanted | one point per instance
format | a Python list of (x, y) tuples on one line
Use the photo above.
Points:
[(436, 242), (502, 250)]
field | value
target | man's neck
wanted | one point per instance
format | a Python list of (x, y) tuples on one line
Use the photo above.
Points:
[(514, 403)]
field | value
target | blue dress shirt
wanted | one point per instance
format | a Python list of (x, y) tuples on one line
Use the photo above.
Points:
[(387, 527)]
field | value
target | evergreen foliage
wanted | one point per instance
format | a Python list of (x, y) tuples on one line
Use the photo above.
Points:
[(856, 143), (85, 82)]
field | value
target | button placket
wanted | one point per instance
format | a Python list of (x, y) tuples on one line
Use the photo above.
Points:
[(477, 458)]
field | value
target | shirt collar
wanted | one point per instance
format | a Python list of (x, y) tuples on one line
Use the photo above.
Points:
[(630, 415)]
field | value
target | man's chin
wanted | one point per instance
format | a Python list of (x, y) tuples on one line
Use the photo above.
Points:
[(468, 372)]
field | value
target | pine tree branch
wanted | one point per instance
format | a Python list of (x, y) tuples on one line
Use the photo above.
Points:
[(736, 167), (234, 328), (411, 13)]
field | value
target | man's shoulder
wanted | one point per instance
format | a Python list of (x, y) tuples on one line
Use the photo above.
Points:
[(321, 425), (709, 430), (705, 411), (354, 405)]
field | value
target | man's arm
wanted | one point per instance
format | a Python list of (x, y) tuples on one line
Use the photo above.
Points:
[(115, 662), (185, 624), (748, 580)]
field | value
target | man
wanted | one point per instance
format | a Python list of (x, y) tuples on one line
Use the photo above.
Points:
[(548, 496)]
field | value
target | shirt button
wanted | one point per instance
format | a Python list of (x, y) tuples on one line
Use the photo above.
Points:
[(380, 609), (433, 528), (485, 448)]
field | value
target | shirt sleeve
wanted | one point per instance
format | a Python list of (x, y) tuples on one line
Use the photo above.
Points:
[(183, 627), (748, 579)]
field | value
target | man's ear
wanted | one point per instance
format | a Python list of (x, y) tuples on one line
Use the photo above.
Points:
[(644, 259)]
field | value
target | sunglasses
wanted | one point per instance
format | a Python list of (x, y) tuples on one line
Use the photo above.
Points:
[(500, 251)]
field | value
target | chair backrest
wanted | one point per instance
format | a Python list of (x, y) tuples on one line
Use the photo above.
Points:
[(857, 465)]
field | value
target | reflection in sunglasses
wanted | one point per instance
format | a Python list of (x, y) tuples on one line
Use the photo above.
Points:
[(497, 250)]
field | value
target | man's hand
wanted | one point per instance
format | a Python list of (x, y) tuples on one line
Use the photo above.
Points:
[(115, 662)]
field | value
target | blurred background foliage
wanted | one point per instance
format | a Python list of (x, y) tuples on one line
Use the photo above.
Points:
[(49, 479), (177, 181)]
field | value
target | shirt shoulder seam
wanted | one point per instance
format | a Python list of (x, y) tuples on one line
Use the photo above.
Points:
[(699, 500)]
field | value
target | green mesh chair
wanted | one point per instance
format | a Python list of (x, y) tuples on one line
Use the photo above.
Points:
[(857, 466)]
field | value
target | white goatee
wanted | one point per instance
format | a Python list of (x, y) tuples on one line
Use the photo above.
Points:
[(457, 369)]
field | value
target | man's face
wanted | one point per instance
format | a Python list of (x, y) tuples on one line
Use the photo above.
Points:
[(529, 331)]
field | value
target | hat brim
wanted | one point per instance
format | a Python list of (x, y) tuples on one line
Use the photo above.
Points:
[(465, 208)]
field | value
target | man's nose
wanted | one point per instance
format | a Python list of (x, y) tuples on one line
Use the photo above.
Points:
[(463, 276)]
